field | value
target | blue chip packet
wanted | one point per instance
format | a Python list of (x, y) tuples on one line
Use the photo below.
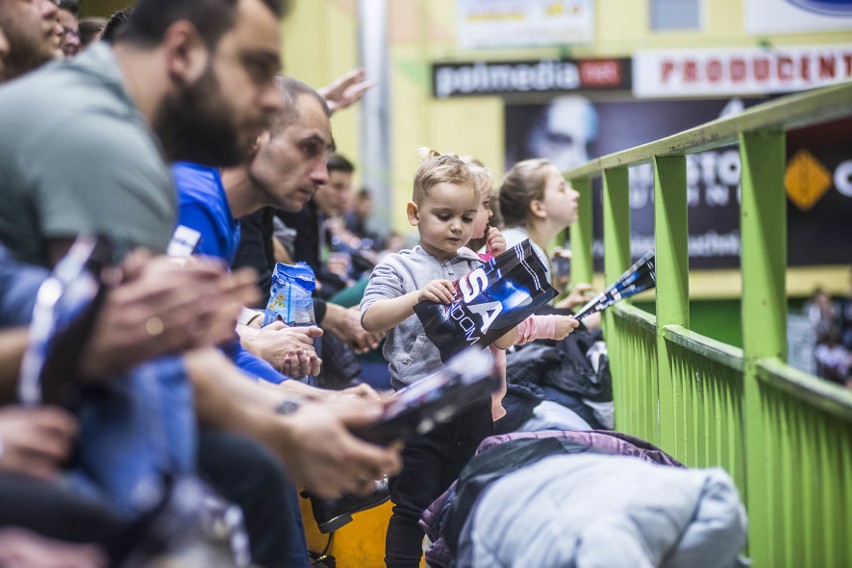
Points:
[(290, 298)]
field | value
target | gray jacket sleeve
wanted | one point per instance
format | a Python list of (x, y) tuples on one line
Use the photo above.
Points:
[(385, 283)]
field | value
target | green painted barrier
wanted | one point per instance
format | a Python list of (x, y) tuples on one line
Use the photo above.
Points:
[(784, 436)]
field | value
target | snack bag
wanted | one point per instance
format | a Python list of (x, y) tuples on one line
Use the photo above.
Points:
[(489, 301), (290, 295)]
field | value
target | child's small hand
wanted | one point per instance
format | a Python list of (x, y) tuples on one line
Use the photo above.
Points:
[(495, 243), (440, 291), (563, 326)]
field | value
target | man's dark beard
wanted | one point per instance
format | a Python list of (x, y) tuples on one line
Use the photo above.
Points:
[(23, 56), (195, 125)]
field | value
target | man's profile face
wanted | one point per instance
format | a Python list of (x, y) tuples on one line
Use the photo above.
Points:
[(290, 165), (216, 119), (29, 26), (564, 132), (333, 197)]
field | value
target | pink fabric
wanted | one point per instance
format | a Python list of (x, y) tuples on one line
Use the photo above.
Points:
[(536, 327)]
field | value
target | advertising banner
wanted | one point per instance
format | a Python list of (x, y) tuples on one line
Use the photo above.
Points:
[(738, 71), (482, 24), (571, 129), (796, 16), (482, 78)]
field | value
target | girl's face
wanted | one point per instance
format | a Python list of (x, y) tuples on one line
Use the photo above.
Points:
[(483, 214), (560, 201)]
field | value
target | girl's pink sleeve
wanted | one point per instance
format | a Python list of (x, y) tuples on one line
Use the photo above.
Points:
[(536, 327)]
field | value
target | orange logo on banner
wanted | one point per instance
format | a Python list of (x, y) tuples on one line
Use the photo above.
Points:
[(806, 180)]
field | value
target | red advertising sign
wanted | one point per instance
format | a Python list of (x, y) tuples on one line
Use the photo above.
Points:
[(739, 71)]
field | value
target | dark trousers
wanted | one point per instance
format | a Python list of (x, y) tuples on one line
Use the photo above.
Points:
[(246, 474), (430, 465), (57, 512)]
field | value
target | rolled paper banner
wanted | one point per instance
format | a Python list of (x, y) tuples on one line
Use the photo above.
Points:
[(488, 302), (638, 278)]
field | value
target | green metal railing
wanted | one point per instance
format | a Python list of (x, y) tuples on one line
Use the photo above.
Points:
[(784, 436)]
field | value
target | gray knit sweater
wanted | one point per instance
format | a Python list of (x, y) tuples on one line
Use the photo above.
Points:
[(411, 356)]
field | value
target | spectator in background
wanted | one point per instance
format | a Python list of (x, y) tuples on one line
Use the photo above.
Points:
[(313, 240), (210, 203), (822, 314), (833, 360), (359, 212), (844, 309), (358, 217), (69, 39), (90, 30)]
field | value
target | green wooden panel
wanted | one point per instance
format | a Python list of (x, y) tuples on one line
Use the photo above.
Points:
[(804, 513), (823, 395), (582, 269), (763, 228), (784, 436), (635, 388), (706, 416), (706, 347), (764, 245), (616, 229), (672, 266), (616, 220)]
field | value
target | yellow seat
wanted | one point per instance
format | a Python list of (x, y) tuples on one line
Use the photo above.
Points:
[(360, 544)]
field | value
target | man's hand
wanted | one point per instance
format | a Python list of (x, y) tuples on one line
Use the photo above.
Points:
[(440, 291), (346, 89), (289, 349), (364, 391), (314, 443), (579, 295), (345, 324), (339, 264), (161, 308), (322, 454), (35, 441)]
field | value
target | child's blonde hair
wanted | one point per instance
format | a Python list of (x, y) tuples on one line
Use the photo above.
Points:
[(482, 177), (524, 183), (440, 168)]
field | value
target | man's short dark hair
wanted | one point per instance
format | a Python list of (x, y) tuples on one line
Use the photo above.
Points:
[(291, 89), (115, 24), (91, 29), (338, 163), (151, 18), (72, 6)]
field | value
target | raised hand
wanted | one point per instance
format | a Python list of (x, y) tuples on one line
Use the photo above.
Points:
[(346, 89)]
